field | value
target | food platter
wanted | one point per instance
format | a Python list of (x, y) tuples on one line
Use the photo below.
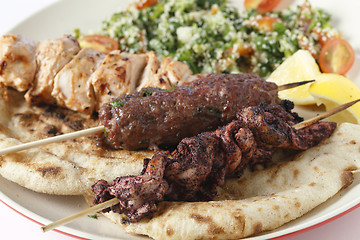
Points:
[(45, 208)]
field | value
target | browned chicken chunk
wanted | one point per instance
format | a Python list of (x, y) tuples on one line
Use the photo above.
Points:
[(51, 56), (118, 73), (164, 75), (17, 61), (72, 88)]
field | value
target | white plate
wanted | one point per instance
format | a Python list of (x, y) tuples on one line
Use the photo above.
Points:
[(61, 18)]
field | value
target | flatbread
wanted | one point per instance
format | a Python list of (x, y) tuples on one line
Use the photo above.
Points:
[(68, 168), (259, 201), (262, 200)]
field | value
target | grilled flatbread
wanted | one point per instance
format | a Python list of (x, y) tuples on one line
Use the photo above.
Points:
[(261, 200)]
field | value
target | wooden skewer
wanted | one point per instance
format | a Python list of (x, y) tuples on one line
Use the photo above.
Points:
[(325, 115), (114, 201), (59, 138), (95, 130), (80, 214), (293, 85)]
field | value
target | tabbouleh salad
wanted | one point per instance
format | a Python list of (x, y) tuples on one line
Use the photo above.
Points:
[(213, 37)]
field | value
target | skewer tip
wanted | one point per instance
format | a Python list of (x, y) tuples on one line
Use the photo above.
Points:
[(325, 114), (293, 85)]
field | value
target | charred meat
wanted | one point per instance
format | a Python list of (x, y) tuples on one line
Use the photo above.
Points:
[(154, 117), (201, 163)]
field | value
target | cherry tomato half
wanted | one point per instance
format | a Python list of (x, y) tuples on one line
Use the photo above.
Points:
[(99, 42), (336, 56), (266, 23), (262, 6), (145, 3)]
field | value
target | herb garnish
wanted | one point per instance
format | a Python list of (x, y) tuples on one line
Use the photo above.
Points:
[(105, 133), (146, 92), (172, 88), (117, 103), (95, 216)]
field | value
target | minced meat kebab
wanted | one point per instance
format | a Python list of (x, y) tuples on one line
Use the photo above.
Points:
[(155, 117)]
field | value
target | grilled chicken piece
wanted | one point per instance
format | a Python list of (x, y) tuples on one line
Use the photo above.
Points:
[(174, 72), (119, 73), (17, 61), (149, 77), (51, 57), (72, 88), (164, 75)]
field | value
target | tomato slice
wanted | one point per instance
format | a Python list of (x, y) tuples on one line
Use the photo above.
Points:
[(145, 3), (336, 56), (262, 6), (101, 43), (266, 23)]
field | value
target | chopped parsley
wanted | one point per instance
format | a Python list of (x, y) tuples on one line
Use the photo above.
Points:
[(213, 37), (170, 89), (95, 216), (105, 133), (146, 92), (117, 103)]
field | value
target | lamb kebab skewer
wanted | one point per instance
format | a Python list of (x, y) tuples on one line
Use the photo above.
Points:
[(169, 116), (201, 163)]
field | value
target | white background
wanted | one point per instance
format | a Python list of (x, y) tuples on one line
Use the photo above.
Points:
[(16, 226)]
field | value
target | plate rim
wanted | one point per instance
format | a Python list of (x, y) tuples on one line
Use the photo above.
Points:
[(79, 234)]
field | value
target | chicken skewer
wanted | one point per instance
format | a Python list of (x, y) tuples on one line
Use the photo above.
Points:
[(244, 156), (269, 98), (59, 72)]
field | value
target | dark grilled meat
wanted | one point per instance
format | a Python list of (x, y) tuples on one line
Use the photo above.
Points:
[(138, 195), (154, 117), (201, 163)]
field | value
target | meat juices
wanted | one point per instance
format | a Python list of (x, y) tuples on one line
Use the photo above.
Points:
[(154, 117)]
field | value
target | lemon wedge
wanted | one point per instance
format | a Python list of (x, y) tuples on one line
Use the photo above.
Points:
[(300, 66), (333, 90)]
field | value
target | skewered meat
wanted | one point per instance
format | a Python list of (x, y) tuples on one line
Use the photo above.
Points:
[(117, 74), (154, 117), (17, 61), (47, 69), (144, 190), (51, 57), (149, 76), (72, 88), (176, 72), (199, 164)]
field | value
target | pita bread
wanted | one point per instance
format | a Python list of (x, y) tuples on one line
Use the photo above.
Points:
[(259, 201), (69, 168), (262, 200)]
